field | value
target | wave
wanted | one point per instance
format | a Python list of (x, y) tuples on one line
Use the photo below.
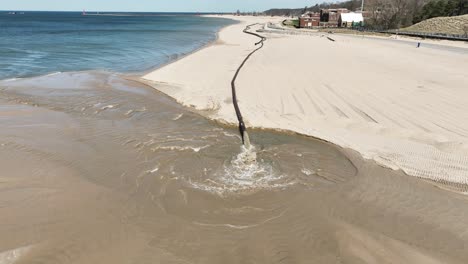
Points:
[(10, 80)]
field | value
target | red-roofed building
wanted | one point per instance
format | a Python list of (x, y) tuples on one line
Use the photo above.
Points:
[(309, 20)]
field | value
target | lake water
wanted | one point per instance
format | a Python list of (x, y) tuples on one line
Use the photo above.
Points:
[(37, 43)]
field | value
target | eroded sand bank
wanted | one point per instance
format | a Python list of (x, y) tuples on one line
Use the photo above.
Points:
[(404, 107)]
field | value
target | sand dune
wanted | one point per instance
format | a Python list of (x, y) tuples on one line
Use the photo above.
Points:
[(442, 25), (404, 107)]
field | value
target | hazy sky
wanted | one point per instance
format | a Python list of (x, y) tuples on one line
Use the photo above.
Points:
[(153, 5)]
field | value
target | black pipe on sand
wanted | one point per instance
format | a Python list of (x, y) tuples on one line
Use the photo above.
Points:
[(242, 128)]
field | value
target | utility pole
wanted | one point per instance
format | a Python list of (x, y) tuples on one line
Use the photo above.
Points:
[(362, 6)]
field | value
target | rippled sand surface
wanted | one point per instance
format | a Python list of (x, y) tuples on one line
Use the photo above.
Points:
[(99, 169)]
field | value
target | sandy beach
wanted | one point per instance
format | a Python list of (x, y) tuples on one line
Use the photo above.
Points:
[(403, 107)]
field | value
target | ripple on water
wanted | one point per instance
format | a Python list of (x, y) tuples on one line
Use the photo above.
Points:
[(182, 181)]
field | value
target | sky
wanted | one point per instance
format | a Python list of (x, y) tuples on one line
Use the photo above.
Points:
[(153, 5)]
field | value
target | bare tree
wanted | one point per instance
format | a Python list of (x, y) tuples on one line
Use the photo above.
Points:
[(387, 14)]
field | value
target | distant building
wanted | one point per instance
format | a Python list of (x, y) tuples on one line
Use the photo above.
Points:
[(339, 17), (330, 17), (351, 20), (309, 20)]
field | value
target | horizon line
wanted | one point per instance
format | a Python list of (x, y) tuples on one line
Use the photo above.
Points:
[(187, 12), (80, 11)]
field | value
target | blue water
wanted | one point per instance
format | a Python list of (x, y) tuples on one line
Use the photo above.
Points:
[(37, 43)]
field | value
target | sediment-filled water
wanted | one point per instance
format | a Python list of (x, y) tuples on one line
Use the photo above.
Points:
[(96, 168)]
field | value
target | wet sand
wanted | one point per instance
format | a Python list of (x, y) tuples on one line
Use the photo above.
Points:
[(98, 169)]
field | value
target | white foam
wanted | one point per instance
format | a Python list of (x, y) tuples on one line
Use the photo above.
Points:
[(178, 117), (180, 148), (52, 74), (132, 111), (11, 80), (231, 135), (243, 173), (307, 171), (108, 107), (154, 170), (11, 256)]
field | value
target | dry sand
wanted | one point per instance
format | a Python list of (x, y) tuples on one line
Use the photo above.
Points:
[(405, 108)]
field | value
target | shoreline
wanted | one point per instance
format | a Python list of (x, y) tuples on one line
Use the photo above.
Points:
[(138, 74), (211, 99)]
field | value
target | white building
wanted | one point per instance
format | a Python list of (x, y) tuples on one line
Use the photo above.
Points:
[(350, 20)]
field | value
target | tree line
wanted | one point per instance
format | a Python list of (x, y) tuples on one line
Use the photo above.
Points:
[(389, 14), (350, 4), (437, 8)]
